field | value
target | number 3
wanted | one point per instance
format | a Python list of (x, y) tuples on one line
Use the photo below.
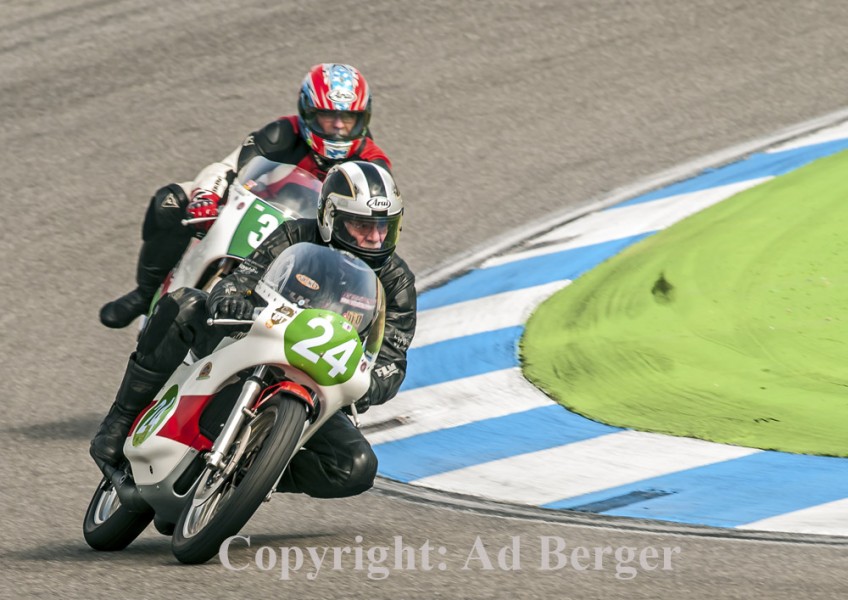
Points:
[(270, 223)]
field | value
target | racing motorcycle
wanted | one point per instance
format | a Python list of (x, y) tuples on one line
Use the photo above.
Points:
[(263, 195), (214, 444)]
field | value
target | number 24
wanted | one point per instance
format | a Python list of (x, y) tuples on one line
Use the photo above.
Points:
[(337, 357)]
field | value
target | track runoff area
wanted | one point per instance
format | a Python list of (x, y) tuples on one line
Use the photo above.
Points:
[(703, 364)]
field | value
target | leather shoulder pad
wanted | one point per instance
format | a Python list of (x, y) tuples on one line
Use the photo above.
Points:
[(276, 138)]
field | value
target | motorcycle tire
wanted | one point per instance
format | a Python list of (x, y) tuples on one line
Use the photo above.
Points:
[(108, 526), (218, 509)]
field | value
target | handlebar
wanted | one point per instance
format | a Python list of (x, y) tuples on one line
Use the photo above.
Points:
[(229, 321), (256, 312)]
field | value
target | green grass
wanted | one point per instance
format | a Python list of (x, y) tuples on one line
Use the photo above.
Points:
[(729, 326)]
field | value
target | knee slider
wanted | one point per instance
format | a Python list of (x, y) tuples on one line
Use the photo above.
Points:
[(363, 468)]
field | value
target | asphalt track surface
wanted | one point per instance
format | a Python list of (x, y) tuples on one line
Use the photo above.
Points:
[(495, 113)]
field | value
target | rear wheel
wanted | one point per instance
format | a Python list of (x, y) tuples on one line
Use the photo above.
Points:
[(109, 526), (220, 505)]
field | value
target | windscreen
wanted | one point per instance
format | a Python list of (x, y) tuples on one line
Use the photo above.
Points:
[(289, 188), (314, 276)]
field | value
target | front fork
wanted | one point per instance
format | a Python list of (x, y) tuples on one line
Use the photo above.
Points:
[(241, 410)]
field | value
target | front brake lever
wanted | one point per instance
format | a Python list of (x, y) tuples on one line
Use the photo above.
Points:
[(355, 415), (185, 222)]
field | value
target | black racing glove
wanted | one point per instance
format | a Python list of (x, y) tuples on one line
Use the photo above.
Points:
[(231, 306), (237, 307)]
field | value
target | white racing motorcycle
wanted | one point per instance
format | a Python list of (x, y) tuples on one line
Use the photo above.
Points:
[(264, 195), (214, 443)]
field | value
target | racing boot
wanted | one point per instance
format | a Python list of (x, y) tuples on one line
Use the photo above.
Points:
[(137, 390), (158, 256)]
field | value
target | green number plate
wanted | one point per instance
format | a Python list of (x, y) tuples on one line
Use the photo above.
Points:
[(256, 225), (324, 345)]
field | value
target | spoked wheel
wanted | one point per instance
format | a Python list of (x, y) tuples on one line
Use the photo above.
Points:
[(223, 501), (109, 526)]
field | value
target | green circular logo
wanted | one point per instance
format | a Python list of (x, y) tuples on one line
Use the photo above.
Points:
[(155, 416)]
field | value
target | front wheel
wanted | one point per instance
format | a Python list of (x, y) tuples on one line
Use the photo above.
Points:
[(220, 506), (109, 526)]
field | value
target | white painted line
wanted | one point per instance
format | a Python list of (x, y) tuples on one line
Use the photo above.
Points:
[(618, 223), (454, 403), (828, 135), (592, 465), (828, 519), (484, 314)]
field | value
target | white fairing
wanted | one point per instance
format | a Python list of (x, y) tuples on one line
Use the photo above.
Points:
[(155, 457)]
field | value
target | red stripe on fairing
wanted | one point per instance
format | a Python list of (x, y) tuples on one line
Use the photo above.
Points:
[(184, 424)]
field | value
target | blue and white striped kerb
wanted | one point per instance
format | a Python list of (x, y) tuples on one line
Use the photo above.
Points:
[(466, 421)]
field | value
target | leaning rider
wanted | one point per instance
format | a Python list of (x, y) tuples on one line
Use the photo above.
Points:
[(337, 461), (334, 111)]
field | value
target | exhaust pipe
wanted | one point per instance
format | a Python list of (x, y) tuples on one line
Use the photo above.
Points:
[(125, 487)]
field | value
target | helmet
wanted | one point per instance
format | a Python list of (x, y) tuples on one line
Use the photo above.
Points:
[(333, 92), (360, 211)]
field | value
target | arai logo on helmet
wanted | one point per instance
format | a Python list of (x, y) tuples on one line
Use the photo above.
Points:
[(341, 96), (379, 203)]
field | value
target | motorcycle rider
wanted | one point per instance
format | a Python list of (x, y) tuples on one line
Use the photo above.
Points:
[(337, 461), (334, 111)]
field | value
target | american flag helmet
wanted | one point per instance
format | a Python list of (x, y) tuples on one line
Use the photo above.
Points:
[(334, 110)]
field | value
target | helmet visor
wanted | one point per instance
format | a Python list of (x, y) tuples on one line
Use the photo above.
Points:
[(336, 125), (368, 233)]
